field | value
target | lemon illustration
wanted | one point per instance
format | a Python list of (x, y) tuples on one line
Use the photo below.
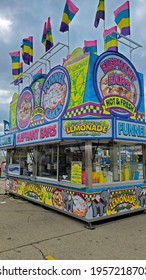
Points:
[(106, 124), (48, 200)]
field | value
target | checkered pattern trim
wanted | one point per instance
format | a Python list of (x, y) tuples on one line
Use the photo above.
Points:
[(82, 111), (141, 118), (37, 123)]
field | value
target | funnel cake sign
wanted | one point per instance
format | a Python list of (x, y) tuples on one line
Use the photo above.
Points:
[(45, 100), (55, 93), (117, 85)]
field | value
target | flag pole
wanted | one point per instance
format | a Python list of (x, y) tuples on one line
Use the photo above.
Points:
[(130, 46), (68, 41), (18, 88), (130, 37), (104, 26)]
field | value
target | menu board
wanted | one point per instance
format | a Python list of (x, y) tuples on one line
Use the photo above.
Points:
[(76, 172)]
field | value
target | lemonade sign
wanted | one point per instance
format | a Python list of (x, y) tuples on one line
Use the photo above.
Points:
[(76, 172), (89, 128)]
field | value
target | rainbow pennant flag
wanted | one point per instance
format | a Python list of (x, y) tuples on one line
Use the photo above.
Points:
[(15, 56), (37, 74), (110, 39), (19, 80), (70, 11), (27, 50), (49, 37), (90, 46), (44, 34), (100, 13), (122, 18)]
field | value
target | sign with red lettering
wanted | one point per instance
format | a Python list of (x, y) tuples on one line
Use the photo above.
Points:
[(117, 85), (40, 134)]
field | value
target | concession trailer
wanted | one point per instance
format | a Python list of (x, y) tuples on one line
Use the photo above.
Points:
[(77, 139)]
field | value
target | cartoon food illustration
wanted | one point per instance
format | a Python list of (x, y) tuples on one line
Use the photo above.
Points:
[(117, 83), (15, 185), (54, 95), (37, 92), (58, 200), (79, 207), (25, 107), (21, 188), (48, 199), (24, 110)]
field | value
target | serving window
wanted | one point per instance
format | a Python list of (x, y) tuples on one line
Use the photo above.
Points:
[(101, 164), (113, 163), (72, 162), (20, 161), (131, 163), (47, 161), (80, 163), (61, 161)]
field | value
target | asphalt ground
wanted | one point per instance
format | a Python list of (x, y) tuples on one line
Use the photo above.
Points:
[(32, 232)]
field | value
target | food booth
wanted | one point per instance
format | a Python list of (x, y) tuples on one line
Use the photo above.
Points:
[(77, 141)]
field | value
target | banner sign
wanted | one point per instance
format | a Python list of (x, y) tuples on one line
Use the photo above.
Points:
[(89, 128), (130, 130), (7, 141), (40, 134)]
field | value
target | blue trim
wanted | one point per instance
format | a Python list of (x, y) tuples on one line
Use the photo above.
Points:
[(87, 138)]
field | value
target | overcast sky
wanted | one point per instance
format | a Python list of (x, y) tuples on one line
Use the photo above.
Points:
[(20, 19)]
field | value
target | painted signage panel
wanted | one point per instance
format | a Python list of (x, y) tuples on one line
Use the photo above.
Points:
[(78, 75), (55, 93), (40, 134), (117, 85), (102, 202), (13, 107), (45, 100), (89, 128), (7, 141), (130, 130), (25, 107)]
